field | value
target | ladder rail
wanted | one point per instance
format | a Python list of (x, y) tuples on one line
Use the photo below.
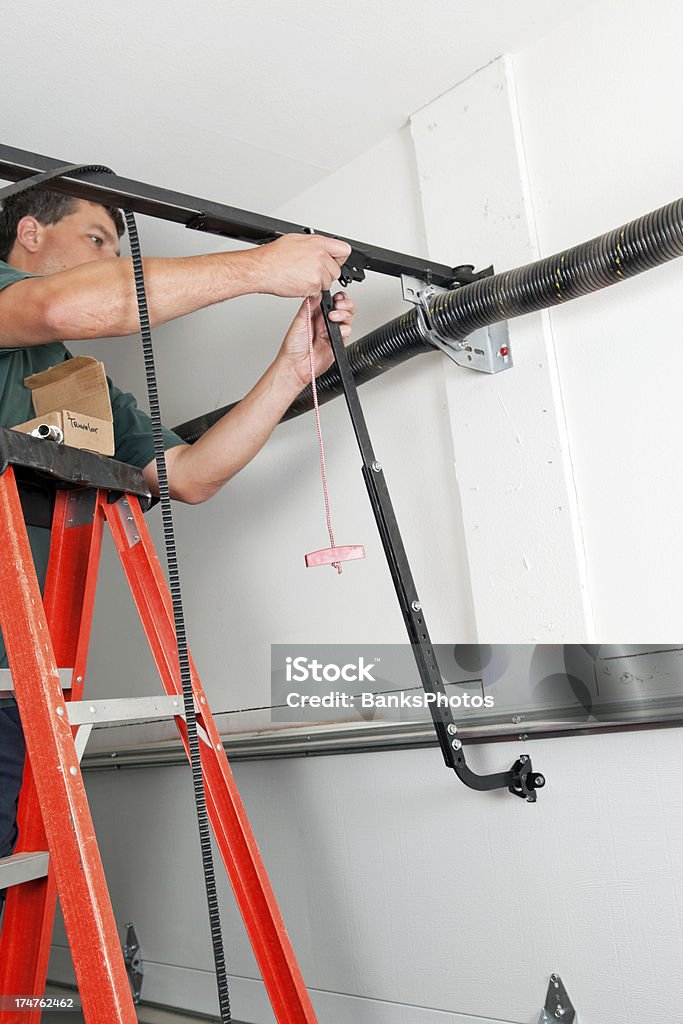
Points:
[(53, 791), (57, 794)]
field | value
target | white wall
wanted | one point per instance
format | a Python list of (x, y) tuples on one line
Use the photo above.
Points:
[(598, 102), (398, 885)]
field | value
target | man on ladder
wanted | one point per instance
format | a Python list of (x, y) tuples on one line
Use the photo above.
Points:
[(60, 277)]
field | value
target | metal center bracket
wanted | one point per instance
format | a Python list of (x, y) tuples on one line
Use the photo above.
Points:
[(487, 349), (558, 1005)]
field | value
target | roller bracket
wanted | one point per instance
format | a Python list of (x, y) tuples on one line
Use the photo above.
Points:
[(487, 349), (524, 781)]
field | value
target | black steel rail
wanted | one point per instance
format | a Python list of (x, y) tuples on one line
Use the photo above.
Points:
[(217, 218)]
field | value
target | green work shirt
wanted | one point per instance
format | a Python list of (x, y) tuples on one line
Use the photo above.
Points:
[(132, 427)]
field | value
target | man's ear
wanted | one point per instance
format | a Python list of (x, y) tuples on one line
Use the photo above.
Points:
[(29, 233)]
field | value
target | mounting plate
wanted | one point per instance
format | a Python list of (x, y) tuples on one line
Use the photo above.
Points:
[(558, 1006), (487, 349)]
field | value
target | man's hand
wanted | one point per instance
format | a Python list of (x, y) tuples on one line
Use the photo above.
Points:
[(294, 266), (196, 472), (293, 355)]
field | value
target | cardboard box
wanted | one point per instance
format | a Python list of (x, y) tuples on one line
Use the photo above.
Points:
[(74, 396)]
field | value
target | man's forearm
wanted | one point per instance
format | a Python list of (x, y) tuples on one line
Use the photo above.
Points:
[(198, 471), (97, 300)]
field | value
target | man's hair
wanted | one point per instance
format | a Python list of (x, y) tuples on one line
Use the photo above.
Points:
[(46, 207)]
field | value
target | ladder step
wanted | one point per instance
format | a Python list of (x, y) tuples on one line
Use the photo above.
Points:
[(22, 867), (7, 686), (124, 709)]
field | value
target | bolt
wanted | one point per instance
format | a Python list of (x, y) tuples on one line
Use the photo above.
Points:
[(129, 518), (524, 758), (60, 711), (452, 728), (74, 771), (92, 709), (559, 1012), (79, 679), (219, 746), (555, 980), (517, 719), (202, 700), (113, 754), (416, 606), (376, 466), (456, 744), (175, 703), (524, 736), (135, 537), (125, 501), (539, 780)]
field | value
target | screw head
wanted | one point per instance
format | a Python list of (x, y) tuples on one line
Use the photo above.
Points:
[(452, 728), (539, 780), (73, 770), (416, 606), (516, 719), (376, 466), (524, 758), (60, 711), (456, 744)]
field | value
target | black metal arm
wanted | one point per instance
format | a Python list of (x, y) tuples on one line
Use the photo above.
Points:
[(521, 779)]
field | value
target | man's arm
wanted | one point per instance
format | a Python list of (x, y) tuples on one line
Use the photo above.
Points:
[(97, 299), (196, 472)]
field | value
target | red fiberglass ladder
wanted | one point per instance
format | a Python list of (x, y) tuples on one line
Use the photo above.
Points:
[(44, 635)]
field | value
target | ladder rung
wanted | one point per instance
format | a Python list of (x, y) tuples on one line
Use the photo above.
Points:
[(124, 709), (22, 867), (7, 686)]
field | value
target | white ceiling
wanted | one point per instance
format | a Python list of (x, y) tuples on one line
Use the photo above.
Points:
[(244, 102)]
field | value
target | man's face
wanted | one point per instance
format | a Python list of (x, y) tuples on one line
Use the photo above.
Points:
[(85, 235)]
